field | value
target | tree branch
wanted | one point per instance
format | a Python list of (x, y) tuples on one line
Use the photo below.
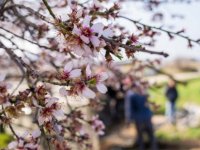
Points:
[(134, 48), (32, 42), (163, 30), (49, 9)]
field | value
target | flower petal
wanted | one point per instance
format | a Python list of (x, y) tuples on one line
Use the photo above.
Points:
[(21, 143), (50, 101), (12, 145), (103, 76), (76, 30), (101, 88), (8, 85), (88, 93), (36, 133), (97, 4), (75, 73), (95, 41), (86, 21), (41, 120), (68, 67), (85, 39), (107, 33), (87, 50), (88, 71), (79, 13), (78, 50), (71, 4), (59, 114), (31, 146), (98, 28), (2, 77), (63, 91)]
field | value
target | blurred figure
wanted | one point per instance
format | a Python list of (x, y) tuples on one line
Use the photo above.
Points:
[(137, 111), (171, 95)]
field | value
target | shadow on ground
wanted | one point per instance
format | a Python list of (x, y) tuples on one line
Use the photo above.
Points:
[(183, 145)]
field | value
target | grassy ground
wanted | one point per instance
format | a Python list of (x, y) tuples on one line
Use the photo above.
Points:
[(189, 93), (4, 140), (172, 134)]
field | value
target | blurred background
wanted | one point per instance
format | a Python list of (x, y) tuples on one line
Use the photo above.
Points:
[(183, 66)]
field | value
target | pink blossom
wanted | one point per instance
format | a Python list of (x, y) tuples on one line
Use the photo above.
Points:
[(26, 141), (51, 109), (69, 73), (97, 125), (36, 133), (84, 91), (63, 91), (82, 50), (98, 79), (87, 92), (92, 33)]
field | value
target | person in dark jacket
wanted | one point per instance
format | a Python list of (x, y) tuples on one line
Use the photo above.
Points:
[(137, 111), (171, 95)]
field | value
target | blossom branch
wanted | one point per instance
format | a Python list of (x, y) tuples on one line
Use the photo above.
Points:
[(42, 17), (30, 41), (49, 9), (170, 33), (135, 48), (10, 126)]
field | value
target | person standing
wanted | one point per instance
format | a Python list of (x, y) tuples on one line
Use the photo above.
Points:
[(172, 96), (137, 111)]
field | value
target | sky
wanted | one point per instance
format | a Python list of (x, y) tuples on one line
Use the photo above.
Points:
[(175, 48)]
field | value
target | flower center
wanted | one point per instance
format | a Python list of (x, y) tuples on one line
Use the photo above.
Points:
[(65, 75), (86, 31), (3, 89), (47, 112)]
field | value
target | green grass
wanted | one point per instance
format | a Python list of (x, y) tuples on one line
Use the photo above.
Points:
[(174, 135), (189, 93), (4, 140)]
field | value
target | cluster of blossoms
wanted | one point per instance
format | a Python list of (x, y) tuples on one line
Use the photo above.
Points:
[(88, 32), (90, 35), (84, 34), (52, 120), (26, 141), (97, 125), (81, 84), (51, 109)]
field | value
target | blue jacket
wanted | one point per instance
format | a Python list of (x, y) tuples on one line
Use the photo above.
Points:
[(136, 108), (171, 94)]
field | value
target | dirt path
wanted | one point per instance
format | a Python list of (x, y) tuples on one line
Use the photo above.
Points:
[(123, 137)]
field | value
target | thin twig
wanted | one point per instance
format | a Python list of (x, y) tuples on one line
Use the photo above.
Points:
[(134, 48), (31, 11), (10, 126), (49, 9), (161, 29), (18, 85), (32, 42)]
